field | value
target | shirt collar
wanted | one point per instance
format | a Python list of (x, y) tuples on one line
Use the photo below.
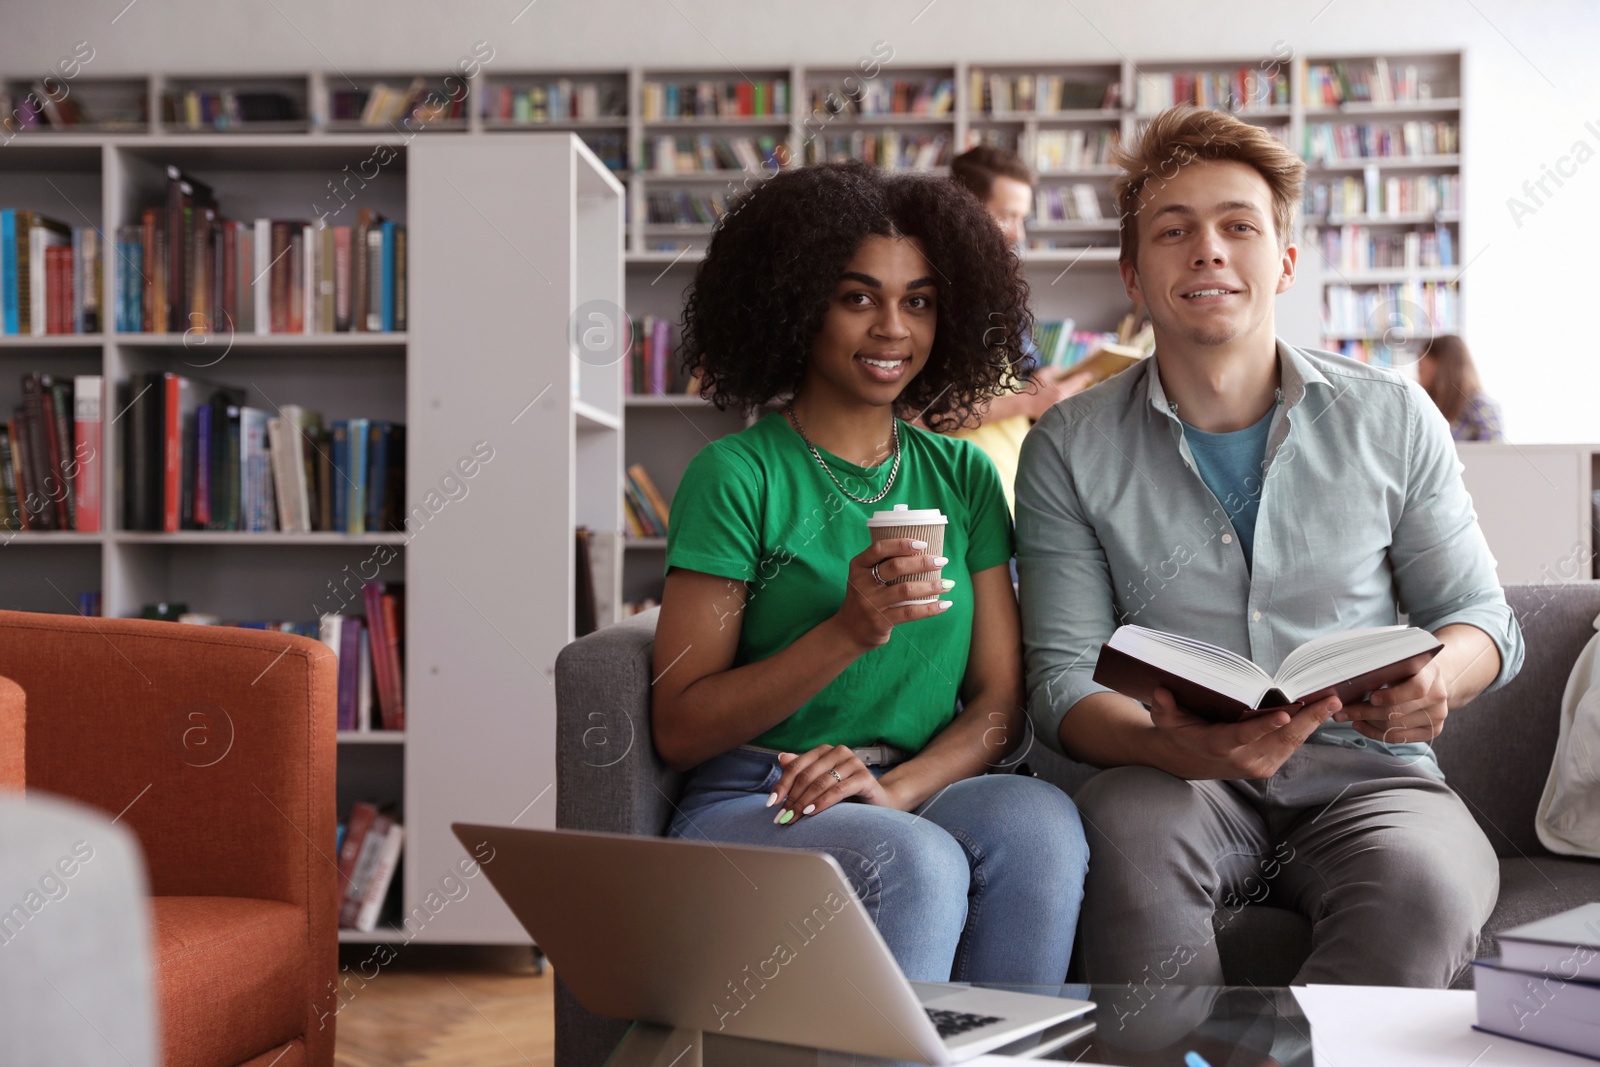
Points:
[(1295, 373)]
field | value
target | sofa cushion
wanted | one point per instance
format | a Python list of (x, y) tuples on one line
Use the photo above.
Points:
[(232, 975), (1535, 888)]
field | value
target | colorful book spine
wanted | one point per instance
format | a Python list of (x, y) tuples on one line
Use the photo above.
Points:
[(88, 427)]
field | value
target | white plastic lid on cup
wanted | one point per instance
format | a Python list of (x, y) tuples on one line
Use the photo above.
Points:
[(905, 515)]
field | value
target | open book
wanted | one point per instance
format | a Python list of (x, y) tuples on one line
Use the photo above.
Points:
[(1225, 687)]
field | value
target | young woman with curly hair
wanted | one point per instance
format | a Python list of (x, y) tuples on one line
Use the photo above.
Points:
[(811, 706)]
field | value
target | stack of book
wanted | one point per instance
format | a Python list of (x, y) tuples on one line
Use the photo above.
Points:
[(1241, 89), (1385, 196), (1044, 94), (1545, 987), (1079, 202), (370, 675), (889, 149), (224, 109), (555, 101), (693, 155), (388, 105), (1332, 84), (885, 97), (651, 369), (186, 269), (197, 457), (1059, 150), (742, 98), (50, 456), (680, 207), (369, 854), (1356, 248), (1335, 142), (49, 275), (1062, 346), (645, 506)]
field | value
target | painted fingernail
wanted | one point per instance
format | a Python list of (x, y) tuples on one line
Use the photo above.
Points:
[(919, 545), (785, 817), (809, 809), (947, 583), (944, 605), (940, 561), (772, 798)]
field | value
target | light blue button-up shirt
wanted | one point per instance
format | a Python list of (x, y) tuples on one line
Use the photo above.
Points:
[(1363, 517)]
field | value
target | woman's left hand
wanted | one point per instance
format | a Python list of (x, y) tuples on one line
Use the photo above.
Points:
[(817, 780)]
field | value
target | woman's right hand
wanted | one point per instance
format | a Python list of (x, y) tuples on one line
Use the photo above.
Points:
[(868, 614)]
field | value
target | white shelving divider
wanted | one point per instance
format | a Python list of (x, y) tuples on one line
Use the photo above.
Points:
[(512, 237)]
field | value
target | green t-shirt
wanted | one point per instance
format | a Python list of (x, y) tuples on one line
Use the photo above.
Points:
[(756, 507)]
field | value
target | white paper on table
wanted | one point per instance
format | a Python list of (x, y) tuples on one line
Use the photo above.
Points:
[(1377, 1026)]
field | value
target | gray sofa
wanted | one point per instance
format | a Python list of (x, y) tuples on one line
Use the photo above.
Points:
[(1496, 753)]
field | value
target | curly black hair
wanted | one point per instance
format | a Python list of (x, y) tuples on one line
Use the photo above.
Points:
[(760, 295)]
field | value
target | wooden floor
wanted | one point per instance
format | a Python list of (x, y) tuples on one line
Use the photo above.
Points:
[(433, 1006)]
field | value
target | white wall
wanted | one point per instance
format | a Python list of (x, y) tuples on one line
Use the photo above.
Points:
[(1532, 83)]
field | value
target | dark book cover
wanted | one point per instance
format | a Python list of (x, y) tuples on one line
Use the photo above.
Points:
[(42, 486), (63, 412)]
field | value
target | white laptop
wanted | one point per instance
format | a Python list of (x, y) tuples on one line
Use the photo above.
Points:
[(760, 943)]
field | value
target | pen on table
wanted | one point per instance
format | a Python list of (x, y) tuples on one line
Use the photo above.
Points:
[(1194, 1059)]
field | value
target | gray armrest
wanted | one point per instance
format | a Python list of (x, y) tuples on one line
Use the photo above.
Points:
[(608, 776)]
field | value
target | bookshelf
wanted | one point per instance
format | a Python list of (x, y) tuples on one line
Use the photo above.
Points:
[(483, 572)]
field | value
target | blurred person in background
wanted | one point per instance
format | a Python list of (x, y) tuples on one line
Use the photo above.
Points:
[(1446, 371)]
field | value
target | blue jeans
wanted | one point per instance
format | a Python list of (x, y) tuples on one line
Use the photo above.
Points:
[(981, 883)]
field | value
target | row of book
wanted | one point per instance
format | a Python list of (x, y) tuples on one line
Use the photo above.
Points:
[(651, 369), (223, 109), (50, 449), (49, 275), (1339, 141), (611, 148), (558, 100), (185, 268), (886, 97), (422, 101), (1419, 309), (1079, 202), (50, 104), (1364, 349), (1375, 194), (1357, 248), (1242, 89), (889, 149), (368, 845), (1061, 345), (1544, 988), (693, 155), (645, 507), (681, 207), (196, 457), (369, 650), (1332, 84), (1044, 94), (743, 97), (1076, 149)]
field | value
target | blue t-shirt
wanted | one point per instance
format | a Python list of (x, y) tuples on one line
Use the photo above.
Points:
[(1230, 465)]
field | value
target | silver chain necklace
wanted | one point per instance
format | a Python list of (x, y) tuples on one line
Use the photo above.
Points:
[(894, 468)]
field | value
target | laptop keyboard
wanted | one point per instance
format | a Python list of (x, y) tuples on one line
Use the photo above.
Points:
[(951, 1023)]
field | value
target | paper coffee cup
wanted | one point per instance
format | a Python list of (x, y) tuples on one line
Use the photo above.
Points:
[(921, 524)]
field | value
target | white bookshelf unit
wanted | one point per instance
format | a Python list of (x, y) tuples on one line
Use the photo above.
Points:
[(495, 274)]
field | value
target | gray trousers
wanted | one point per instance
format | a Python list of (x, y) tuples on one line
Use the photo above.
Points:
[(1384, 859)]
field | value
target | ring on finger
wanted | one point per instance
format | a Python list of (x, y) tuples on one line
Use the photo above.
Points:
[(837, 777), (878, 576)]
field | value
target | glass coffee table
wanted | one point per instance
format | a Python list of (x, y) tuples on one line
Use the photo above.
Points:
[(1151, 1024)]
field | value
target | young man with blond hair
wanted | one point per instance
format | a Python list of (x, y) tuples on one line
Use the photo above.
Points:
[(1254, 495)]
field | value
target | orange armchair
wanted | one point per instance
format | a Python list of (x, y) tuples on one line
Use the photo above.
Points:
[(216, 747)]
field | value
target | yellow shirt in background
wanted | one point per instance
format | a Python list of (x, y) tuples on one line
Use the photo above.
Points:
[(1001, 441)]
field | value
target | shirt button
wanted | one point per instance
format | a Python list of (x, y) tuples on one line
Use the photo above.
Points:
[(1227, 539), (1255, 616)]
